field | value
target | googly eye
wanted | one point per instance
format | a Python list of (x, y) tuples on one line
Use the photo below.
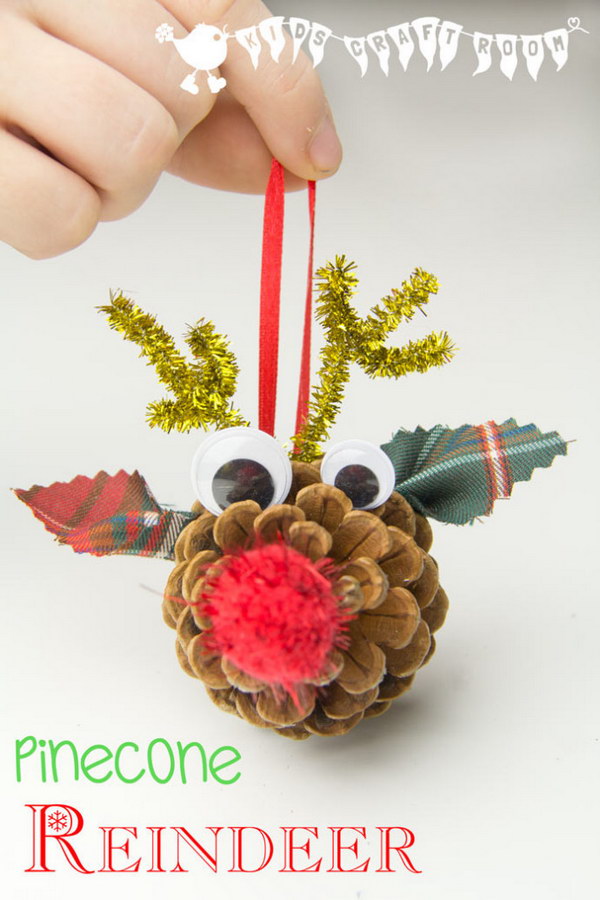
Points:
[(361, 470), (240, 464)]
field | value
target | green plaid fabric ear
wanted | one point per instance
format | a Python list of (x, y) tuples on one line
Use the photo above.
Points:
[(456, 474)]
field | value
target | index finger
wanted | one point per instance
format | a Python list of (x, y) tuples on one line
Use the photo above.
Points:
[(285, 99)]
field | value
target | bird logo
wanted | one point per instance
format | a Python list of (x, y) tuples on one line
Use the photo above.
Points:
[(204, 48)]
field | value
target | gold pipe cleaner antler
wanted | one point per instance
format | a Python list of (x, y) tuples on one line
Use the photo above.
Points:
[(352, 339), (203, 389)]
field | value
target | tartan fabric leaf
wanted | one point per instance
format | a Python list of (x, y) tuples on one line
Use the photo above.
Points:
[(456, 474), (107, 515)]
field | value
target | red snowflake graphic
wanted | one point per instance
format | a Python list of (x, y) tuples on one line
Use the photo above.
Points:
[(57, 820)]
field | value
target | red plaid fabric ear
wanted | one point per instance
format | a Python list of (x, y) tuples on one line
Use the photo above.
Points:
[(107, 515)]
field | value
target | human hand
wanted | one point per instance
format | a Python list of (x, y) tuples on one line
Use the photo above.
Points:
[(91, 113)]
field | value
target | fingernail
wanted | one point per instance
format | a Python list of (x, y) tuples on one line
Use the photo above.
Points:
[(325, 150)]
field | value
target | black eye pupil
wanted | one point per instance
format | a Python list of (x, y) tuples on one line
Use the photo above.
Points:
[(243, 479), (359, 483)]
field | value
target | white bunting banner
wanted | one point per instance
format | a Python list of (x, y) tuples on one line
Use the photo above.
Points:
[(426, 30), (557, 43), (248, 38), (448, 39), (482, 44), (507, 44), (319, 35), (272, 31), (533, 51), (377, 41), (356, 49), (400, 34), (299, 29), (204, 49)]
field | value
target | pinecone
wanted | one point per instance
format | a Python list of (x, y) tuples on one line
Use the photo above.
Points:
[(386, 582)]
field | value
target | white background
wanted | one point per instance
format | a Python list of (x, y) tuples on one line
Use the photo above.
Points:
[(492, 758)]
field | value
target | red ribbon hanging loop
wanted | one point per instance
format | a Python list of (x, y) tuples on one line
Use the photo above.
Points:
[(270, 294), (270, 303), (304, 382)]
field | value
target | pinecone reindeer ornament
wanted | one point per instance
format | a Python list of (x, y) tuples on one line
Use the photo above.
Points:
[(303, 594)]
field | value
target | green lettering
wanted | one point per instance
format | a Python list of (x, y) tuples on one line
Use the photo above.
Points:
[(85, 766), (214, 769), (182, 751), (151, 768), (19, 755), (54, 748), (118, 772)]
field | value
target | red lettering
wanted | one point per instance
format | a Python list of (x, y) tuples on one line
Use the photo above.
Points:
[(289, 849), (238, 845), (209, 858), (386, 848), (337, 847), (58, 822), (156, 832), (109, 849)]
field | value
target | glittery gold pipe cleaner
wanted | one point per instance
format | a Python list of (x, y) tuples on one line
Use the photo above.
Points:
[(348, 338), (202, 389)]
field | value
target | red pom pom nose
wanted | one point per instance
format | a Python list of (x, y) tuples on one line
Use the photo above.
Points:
[(274, 615)]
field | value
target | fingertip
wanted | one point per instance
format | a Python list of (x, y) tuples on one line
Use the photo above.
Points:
[(294, 183), (74, 223), (324, 149)]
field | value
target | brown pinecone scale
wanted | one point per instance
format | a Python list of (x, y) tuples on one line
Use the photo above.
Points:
[(385, 580)]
